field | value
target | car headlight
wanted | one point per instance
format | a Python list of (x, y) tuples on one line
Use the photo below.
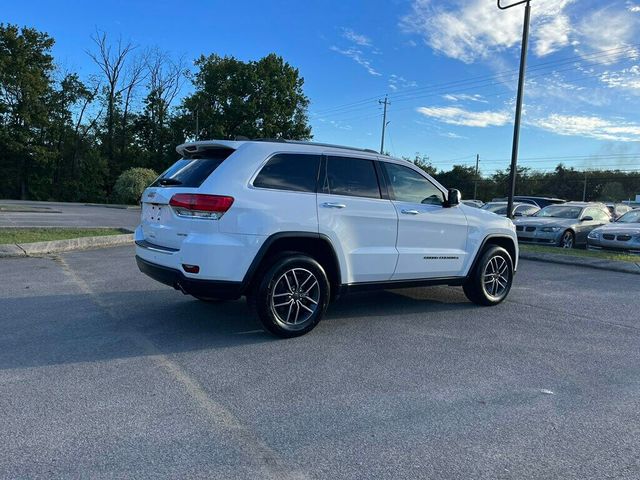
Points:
[(550, 229), (594, 235)]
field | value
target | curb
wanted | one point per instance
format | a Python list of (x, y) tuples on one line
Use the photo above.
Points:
[(599, 264), (113, 205), (56, 246)]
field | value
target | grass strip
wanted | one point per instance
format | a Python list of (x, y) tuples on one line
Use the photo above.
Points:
[(577, 252), (43, 234)]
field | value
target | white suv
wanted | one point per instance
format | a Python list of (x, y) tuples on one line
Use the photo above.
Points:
[(291, 225)]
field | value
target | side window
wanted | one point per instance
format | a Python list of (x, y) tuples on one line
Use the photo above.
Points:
[(355, 177), (602, 215), (289, 171), (526, 209), (595, 213), (407, 185)]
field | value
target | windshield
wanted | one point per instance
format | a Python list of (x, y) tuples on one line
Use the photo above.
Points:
[(499, 208), (630, 217), (559, 211)]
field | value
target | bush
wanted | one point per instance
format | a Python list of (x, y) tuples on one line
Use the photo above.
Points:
[(131, 183)]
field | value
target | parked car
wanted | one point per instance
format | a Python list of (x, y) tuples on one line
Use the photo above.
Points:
[(291, 225), (537, 201), (623, 234), (473, 203), (618, 209), (565, 225), (518, 209)]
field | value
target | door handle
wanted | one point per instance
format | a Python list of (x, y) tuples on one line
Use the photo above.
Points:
[(333, 205), (410, 212)]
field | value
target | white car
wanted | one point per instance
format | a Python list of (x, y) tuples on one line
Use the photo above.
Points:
[(291, 225)]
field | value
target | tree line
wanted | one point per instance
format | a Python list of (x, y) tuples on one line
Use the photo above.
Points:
[(67, 138), (563, 182)]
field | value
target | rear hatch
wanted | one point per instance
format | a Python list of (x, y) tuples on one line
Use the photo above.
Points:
[(167, 226)]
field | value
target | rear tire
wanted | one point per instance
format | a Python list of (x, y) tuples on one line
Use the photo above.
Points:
[(490, 282), (292, 296)]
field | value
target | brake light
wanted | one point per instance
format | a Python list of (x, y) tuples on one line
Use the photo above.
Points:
[(195, 205)]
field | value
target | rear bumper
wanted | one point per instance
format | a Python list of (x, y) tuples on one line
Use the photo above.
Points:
[(200, 288)]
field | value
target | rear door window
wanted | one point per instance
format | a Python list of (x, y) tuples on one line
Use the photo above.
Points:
[(193, 170), (289, 171), (355, 177)]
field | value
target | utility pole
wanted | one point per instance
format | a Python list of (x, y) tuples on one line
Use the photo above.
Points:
[(197, 123), (584, 190), (516, 126), (384, 102), (475, 185)]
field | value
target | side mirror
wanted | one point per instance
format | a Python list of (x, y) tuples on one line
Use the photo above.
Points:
[(586, 219), (518, 214), (453, 198)]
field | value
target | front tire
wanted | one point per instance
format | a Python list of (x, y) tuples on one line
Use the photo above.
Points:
[(568, 240), (292, 296), (490, 282)]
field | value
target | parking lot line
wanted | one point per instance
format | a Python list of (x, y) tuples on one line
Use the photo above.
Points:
[(270, 462)]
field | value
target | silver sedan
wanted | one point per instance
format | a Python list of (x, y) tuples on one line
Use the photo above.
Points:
[(565, 225), (623, 234)]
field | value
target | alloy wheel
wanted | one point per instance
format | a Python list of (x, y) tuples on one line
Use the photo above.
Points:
[(495, 277), (567, 240), (295, 297)]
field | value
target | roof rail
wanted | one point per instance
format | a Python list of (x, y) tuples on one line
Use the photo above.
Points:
[(303, 142)]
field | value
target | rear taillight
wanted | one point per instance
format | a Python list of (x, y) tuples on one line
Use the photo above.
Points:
[(194, 205)]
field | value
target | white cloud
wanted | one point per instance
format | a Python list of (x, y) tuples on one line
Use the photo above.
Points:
[(468, 31), (608, 29), (626, 79), (552, 35), (398, 81), (452, 135), (356, 38), (591, 127), (633, 7), (461, 97), (459, 116), (357, 56)]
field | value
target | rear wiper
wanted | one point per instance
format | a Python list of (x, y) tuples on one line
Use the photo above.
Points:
[(169, 181)]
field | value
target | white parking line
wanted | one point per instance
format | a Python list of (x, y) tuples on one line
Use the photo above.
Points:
[(272, 465)]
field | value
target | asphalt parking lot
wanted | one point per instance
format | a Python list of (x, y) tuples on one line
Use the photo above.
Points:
[(58, 214), (105, 373)]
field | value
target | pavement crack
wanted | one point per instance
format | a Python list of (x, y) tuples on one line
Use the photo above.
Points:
[(270, 462)]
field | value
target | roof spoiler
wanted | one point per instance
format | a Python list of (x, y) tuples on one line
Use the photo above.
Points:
[(194, 147)]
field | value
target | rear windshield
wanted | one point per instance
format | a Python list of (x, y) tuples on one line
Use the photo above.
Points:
[(193, 170)]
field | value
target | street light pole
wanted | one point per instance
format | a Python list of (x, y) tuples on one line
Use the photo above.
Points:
[(516, 126)]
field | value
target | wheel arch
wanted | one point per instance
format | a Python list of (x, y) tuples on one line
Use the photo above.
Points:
[(504, 241), (315, 245)]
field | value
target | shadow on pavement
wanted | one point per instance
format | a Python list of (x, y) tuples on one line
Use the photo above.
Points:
[(61, 329)]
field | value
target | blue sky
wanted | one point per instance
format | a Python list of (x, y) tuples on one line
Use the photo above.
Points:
[(449, 68)]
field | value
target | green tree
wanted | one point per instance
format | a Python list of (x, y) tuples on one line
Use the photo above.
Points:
[(262, 99), (613, 192), (26, 85), (131, 183)]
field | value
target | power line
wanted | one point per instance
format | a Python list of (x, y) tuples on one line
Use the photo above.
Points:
[(613, 52), (475, 88)]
